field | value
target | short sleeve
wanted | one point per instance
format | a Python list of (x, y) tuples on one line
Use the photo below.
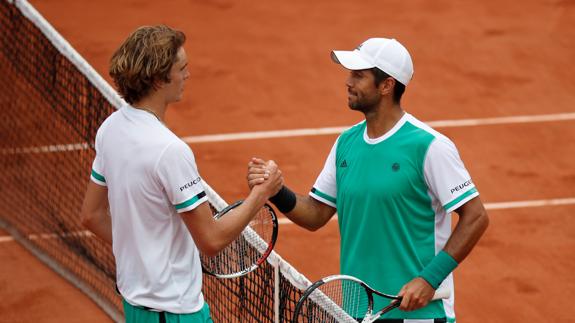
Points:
[(325, 187), (98, 174), (178, 174), (446, 175)]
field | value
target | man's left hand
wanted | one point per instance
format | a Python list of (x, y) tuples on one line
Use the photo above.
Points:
[(416, 294)]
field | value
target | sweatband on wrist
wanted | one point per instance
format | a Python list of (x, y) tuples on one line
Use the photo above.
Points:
[(284, 200), (438, 269)]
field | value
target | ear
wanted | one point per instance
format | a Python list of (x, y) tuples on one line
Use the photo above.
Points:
[(386, 86), (157, 84)]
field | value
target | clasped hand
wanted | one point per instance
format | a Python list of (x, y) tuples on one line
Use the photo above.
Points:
[(264, 175)]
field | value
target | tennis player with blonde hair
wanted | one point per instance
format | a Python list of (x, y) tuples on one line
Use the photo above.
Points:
[(146, 196)]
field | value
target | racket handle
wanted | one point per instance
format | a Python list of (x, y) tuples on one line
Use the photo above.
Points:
[(441, 293)]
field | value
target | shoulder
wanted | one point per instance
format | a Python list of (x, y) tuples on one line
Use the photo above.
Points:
[(351, 133), (426, 133), (104, 129), (108, 121), (421, 127), (354, 130), (174, 151)]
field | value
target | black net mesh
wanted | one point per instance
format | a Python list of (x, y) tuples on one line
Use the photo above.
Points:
[(50, 114), (249, 298)]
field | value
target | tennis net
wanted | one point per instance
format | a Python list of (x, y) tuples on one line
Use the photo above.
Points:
[(52, 103)]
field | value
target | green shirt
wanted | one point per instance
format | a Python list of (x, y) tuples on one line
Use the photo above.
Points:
[(394, 195)]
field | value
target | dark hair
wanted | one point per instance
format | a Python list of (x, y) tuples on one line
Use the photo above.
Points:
[(145, 58), (380, 75)]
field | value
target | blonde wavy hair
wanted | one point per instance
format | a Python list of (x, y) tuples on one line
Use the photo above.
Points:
[(144, 59)]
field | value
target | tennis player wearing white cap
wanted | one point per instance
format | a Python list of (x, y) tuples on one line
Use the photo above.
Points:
[(394, 182)]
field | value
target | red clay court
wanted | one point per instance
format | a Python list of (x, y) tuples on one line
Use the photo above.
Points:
[(494, 76)]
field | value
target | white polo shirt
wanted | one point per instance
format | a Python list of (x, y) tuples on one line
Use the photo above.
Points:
[(151, 175)]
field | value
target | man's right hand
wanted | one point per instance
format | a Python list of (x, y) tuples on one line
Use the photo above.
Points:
[(264, 176), (257, 172)]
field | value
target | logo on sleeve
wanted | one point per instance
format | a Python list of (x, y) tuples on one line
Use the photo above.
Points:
[(461, 186), (190, 184)]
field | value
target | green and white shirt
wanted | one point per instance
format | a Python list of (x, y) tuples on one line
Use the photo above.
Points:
[(394, 195), (151, 176)]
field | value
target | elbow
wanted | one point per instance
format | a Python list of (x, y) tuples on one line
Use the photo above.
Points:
[(485, 218), (315, 223), (482, 222), (306, 224), (84, 219), (87, 220), (209, 249), (312, 228)]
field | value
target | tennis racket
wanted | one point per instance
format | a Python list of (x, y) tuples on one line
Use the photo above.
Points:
[(249, 250), (342, 298)]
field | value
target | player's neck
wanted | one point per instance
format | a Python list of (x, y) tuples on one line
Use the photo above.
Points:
[(381, 120), (153, 104)]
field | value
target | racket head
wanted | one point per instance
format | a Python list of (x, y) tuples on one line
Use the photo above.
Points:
[(326, 301), (441, 293), (250, 249), (337, 298)]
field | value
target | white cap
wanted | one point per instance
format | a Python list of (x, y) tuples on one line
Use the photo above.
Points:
[(386, 54)]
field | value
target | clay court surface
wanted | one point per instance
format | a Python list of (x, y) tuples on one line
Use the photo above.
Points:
[(264, 65)]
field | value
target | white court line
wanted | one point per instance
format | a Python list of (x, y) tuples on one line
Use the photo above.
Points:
[(6, 239), (338, 130), (83, 233), (305, 132), (496, 206), (524, 204), (44, 149), (488, 206)]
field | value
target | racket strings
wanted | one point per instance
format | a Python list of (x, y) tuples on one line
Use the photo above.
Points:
[(245, 252), (261, 230), (336, 301)]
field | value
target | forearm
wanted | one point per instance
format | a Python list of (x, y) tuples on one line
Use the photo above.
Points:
[(473, 222), (229, 227), (302, 210), (212, 235), (309, 213)]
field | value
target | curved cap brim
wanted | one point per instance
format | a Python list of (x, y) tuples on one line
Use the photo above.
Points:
[(351, 60)]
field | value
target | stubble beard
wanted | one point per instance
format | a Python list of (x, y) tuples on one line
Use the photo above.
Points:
[(364, 105)]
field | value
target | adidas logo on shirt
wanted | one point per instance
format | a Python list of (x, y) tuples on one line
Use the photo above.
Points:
[(343, 163)]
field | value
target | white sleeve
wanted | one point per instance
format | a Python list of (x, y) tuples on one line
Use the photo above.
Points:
[(325, 187), (98, 174), (446, 175), (179, 176)]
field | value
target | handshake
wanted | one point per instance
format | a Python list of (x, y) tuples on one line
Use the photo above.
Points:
[(264, 177)]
